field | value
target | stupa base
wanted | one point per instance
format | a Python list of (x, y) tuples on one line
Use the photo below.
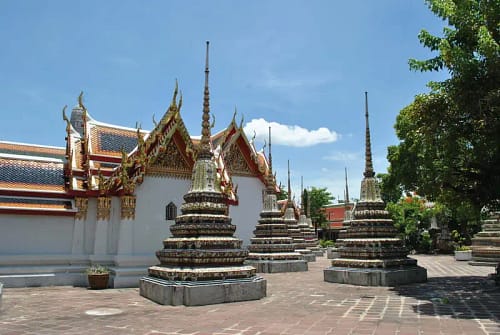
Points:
[(199, 293), (376, 276), (272, 266), (319, 253)]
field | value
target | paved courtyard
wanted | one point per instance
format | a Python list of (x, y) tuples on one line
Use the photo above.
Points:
[(457, 299)]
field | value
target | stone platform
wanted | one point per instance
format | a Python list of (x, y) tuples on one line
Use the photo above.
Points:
[(199, 293), (274, 266), (376, 276)]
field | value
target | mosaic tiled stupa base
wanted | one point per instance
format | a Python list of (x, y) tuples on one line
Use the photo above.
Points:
[(486, 244), (203, 263), (371, 254), (310, 239)]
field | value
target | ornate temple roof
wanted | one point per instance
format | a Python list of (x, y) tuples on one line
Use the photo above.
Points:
[(29, 176)]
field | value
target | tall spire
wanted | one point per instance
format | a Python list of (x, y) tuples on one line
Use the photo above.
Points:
[(346, 194), (205, 150), (369, 173), (289, 188), (302, 199), (270, 177)]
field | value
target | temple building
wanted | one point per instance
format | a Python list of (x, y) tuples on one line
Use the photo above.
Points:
[(371, 254), (202, 263), (110, 195), (272, 249)]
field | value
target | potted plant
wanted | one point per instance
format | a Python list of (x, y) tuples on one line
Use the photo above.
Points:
[(98, 276), (462, 252)]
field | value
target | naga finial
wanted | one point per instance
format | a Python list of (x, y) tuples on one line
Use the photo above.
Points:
[(176, 90), (65, 118), (234, 115), (253, 137), (154, 121), (213, 121), (80, 101), (180, 102), (241, 122)]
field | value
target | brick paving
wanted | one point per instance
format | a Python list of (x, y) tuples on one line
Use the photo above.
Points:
[(457, 299)]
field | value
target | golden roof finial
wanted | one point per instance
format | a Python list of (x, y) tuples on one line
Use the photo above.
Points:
[(176, 90), (241, 122), (154, 121), (234, 115)]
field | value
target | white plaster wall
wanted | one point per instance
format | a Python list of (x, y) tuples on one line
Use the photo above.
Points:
[(247, 213), (35, 234), (114, 225), (153, 195), (89, 229)]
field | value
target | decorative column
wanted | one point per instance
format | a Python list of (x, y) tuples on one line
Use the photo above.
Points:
[(78, 245), (125, 236), (101, 228)]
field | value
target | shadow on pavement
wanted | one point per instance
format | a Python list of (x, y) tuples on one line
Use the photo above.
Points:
[(463, 297)]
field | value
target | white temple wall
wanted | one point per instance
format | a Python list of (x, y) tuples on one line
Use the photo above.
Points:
[(247, 213), (90, 224), (114, 225), (35, 234), (150, 225)]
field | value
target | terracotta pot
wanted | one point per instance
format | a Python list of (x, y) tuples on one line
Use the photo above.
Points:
[(98, 281)]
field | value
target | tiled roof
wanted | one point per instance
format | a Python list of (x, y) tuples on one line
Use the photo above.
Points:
[(32, 150), (110, 141), (35, 203), (31, 174)]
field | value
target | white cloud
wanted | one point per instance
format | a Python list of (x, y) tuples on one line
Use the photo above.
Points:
[(289, 135)]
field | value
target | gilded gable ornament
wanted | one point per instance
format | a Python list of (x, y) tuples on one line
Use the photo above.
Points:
[(170, 162), (235, 161)]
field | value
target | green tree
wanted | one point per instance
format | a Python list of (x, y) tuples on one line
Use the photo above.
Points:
[(320, 197), (449, 138), (282, 194), (390, 190), (412, 218)]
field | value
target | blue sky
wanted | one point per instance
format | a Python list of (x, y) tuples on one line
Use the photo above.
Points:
[(302, 65)]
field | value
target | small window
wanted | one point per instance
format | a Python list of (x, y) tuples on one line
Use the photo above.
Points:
[(171, 211)]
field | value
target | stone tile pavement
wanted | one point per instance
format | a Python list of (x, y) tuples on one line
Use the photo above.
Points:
[(457, 299)]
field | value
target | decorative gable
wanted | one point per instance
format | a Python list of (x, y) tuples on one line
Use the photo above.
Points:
[(170, 161), (236, 162)]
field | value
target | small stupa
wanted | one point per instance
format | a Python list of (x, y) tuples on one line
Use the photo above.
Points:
[(371, 254), (486, 243), (310, 238), (294, 230), (202, 263), (272, 250)]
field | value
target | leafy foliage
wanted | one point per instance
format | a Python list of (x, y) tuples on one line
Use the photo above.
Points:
[(326, 243), (319, 198), (449, 146), (283, 194), (96, 269), (412, 219)]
